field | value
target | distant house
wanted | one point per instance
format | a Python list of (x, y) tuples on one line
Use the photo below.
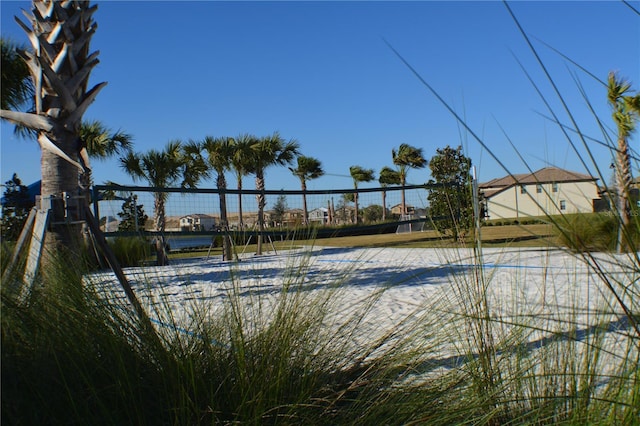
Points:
[(397, 209), (411, 211), (344, 214), (291, 217), (319, 215), (197, 222), (550, 190)]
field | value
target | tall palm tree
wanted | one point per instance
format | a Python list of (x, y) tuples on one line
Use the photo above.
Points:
[(17, 92), (16, 88), (159, 169), (241, 164), (308, 168), (219, 154), (626, 111), (405, 158), (359, 174), (388, 176), (60, 63), (265, 152)]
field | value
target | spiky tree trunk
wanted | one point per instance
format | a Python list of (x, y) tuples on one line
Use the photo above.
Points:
[(221, 183), (623, 183), (262, 202), (626, 111), (59, 65)]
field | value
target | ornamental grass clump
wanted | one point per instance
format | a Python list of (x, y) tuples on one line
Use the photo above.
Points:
[(563, 348), (74, 351), (527, 336)]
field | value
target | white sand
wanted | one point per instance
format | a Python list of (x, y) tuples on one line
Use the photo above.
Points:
[(549, 288), (415, 297)]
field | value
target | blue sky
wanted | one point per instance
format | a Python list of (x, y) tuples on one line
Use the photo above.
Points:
[(320, 72)]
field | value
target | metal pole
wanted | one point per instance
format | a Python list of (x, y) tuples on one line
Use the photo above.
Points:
[(476, 208)]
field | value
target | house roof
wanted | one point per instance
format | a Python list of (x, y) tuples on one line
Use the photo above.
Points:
[(544, 175)]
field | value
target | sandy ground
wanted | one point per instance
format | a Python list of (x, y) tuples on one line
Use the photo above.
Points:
[(554, 290)]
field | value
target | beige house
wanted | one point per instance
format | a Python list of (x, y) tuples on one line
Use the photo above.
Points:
[(550, 190), (397, 209)]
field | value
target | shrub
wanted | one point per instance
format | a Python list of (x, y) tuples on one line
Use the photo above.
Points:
[(130, 251), (588, 232)]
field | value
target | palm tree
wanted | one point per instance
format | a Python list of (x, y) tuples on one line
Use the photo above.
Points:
[(358, 174), (265, 152), (626, 110), (17, 90), (99, 143), (160, 169), (241, 164), (219, 154), (407, 157), (388, 176), (308, 168), (60, 63), (16, 86)]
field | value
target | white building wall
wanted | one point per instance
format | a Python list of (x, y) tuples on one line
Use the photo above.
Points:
[(204, 223)]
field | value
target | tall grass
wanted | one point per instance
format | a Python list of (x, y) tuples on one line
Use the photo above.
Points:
[(472, 353), (73, 353), (582, 370)]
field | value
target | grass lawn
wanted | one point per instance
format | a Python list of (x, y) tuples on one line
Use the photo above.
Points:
[(538, 235)]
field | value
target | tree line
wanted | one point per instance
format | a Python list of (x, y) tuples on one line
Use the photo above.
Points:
[(51, 78), (187, 163)]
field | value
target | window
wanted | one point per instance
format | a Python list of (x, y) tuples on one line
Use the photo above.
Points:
[(554, 187), (563, 205), (539, 188), (523, 189)]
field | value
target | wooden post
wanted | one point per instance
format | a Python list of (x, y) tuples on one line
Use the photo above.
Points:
[(35, 247), (101, 241), (22, 239)]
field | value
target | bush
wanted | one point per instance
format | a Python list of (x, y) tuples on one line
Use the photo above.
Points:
[(130, 251), (588, 232)]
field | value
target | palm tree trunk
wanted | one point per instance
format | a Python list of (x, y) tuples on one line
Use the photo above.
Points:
[(59, 187), (403, 203), (161, 253), (304, 203), (355, 201), (224, 222), (623, 180), (240, 220), (260, 198), (60, 65), (384, 205)]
